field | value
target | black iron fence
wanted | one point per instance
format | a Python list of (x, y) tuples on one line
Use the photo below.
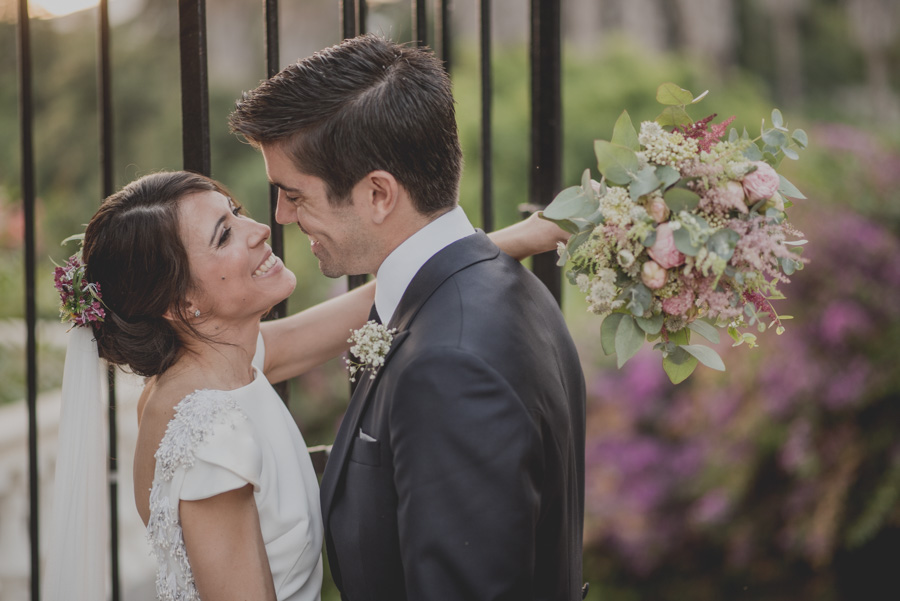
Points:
[(435, 17)]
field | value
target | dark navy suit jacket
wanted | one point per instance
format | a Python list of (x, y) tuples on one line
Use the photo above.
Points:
[(474, 485)]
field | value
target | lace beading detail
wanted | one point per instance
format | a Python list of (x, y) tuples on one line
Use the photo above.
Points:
[(196, 416)]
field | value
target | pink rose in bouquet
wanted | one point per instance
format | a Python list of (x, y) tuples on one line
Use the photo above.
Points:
[(658, 210), (663, 250), (760, 184), (653, 276)]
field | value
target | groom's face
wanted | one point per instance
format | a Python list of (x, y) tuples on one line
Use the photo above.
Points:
[(339, 236)]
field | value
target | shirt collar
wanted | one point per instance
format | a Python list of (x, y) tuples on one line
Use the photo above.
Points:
[(401, 266)]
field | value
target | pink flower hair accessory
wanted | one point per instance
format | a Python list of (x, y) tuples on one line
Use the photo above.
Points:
[(80, 300)]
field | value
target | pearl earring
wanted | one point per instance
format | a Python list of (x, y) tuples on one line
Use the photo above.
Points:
[(197, 313)]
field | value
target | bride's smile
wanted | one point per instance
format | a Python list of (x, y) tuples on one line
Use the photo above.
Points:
[(235, 273)]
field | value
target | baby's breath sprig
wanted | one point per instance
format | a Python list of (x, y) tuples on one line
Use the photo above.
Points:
[(371, 344)]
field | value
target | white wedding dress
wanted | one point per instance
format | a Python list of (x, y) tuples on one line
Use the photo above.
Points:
[(220, 441)]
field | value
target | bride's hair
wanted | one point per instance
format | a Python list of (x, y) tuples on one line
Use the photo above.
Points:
[(133, 249)]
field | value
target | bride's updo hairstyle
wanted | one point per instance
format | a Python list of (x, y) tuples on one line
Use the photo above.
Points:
[(133, 249)]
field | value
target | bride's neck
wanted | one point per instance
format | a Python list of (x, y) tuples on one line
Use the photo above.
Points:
[(223, 361)]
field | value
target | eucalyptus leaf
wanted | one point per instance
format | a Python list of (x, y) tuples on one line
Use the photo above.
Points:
[(608, 332), (679, 337), (571, 203), (753, 153), (578, 239), (790, 153), (644, 182), (683, 242), (649, 239), (700, 97), (624, 133), (775, 138), (672, 116), (707, 356), (667, 175), (681, 199), (652, 325), (617, 163), (733, 135), (566, 224), (679, 365), (788, 189), (788, 266), (629, 339), (586, 183), (705, 329), (723, 242), (637, 298), (672, 94), (777, 119), (799, 136)]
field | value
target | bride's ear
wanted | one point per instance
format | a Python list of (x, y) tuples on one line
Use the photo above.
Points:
[(189, 312)]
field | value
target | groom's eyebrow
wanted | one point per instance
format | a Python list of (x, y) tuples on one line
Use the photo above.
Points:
[(288, 189)]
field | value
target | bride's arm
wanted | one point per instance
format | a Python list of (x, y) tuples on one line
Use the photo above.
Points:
[(225, 547), (309, 338)]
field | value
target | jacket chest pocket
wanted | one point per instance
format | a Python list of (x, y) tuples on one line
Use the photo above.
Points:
[(367, 452)]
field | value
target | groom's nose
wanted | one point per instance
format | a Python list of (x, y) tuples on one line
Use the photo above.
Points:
[(285, 212)]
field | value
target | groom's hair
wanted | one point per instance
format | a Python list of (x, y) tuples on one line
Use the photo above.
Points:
[(366, 104)]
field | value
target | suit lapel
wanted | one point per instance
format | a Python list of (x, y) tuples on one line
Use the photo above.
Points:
[(459, 255), (350, 422)]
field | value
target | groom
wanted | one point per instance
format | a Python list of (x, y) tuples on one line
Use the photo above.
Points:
[(458, 469)]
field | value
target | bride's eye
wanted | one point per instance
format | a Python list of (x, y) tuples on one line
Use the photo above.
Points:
[(226, 234)]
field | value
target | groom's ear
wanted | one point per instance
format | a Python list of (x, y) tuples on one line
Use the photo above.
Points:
[(382, 193)]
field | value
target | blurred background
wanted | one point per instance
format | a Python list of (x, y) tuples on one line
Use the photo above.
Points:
[(778, 479)]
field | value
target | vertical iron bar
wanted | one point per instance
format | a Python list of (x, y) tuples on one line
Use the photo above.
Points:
[(348, 19), (26, 118), (273, 65), (362, 16), (442, 32), (194, 86), (487, 92), (272, 68), (104, 83), (546, 124), (420, 23), (353, 24)]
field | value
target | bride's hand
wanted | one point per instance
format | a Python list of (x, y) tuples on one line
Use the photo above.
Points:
[(531, 236)]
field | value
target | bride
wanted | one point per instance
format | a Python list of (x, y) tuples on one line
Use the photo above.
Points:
[(222, 476)]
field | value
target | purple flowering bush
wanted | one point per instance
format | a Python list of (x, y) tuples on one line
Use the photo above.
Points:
[(779, 479)]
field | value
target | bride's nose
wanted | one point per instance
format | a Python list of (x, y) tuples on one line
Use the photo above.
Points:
[(260, 233)]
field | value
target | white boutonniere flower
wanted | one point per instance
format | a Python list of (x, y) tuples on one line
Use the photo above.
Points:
[(371, 344)]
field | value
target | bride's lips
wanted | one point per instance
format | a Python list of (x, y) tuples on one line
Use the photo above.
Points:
[(269, 265)]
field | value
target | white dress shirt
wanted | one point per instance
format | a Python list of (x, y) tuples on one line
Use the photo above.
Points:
[(401, 266)]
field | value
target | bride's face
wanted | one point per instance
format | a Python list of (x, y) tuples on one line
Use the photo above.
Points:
[(235, 275)]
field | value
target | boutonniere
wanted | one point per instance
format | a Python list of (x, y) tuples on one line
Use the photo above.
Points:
[(371, 344)]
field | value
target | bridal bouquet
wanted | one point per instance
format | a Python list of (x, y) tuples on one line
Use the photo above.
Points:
[(685, 233)]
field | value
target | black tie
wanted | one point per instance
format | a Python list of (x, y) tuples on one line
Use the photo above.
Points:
[(373, 315)]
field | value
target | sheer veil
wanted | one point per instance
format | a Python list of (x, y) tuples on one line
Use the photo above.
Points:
[(79, 529)]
